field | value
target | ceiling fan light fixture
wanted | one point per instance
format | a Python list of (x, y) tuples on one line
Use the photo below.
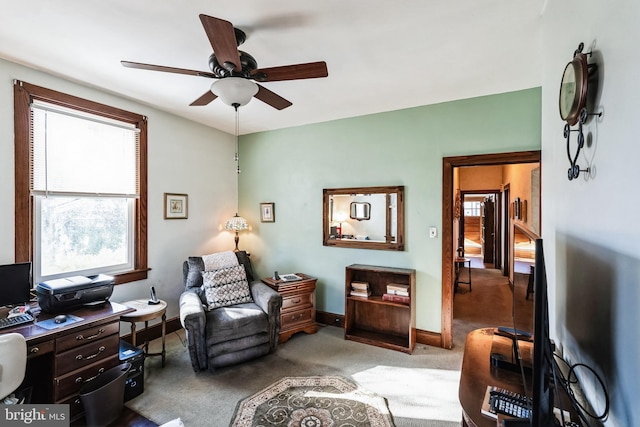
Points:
[(234, 90)]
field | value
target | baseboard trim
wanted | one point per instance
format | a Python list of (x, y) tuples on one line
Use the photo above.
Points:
[(433, 339), (422, 337), (330, 319)]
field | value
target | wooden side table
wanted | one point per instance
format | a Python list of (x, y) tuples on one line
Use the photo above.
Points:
[(298, 313), (144, 312)]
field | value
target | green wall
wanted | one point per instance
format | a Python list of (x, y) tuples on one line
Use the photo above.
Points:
[(290, 167)]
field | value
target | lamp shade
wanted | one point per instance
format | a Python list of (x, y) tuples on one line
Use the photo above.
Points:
[(236, 223), (234, 90)]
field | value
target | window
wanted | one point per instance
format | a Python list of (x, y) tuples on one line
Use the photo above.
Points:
[(472, 208), (80, 186)]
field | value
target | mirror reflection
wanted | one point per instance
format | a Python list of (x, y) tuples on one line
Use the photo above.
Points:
[(364, 217), (360, 211)]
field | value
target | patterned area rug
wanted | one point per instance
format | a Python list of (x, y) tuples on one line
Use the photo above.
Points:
[(327, 401)]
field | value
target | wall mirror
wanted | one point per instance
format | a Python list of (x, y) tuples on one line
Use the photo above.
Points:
[(364, 217)]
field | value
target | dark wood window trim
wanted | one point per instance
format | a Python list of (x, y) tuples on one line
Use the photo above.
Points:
[(23, 94)]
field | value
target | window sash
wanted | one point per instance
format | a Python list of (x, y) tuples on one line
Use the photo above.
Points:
[(75, 153), (107, 268)]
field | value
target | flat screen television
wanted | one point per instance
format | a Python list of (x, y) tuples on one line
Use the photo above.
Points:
[(15, 284)]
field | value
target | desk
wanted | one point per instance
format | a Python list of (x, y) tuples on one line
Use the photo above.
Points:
[(459, 263), (61, 360), (477, 373), (143, 313)]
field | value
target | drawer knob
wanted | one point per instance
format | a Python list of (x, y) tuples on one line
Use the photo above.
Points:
[(91, 356), (297, 301), (34, 350), (90, 337)]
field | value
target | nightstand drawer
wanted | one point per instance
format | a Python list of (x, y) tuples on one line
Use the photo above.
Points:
[(291, 319), (296, 302)]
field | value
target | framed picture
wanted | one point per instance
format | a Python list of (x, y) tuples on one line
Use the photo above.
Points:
[(175, 206), (267, 213)]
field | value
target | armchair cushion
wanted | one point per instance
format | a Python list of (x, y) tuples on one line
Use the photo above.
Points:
[(225, 287), (233, 322)]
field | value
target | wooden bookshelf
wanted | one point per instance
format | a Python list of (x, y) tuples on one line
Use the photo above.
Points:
[(372, 320)]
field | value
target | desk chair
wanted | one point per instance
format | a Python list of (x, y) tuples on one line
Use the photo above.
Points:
[(13, 362)]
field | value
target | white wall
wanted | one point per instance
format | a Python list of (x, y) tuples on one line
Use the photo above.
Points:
[(589, 225), (184, 157)]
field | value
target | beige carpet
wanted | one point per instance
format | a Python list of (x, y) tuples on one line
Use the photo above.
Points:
[(421, 389)]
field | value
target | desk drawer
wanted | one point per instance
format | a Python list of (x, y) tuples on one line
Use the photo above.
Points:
[(72, 382), (288, 320), (38, 349), (85, 355), (84, 336), (296, 302), (75, 406)]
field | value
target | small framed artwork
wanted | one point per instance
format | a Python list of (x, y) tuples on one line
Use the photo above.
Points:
[(267, 213), (176, 206)]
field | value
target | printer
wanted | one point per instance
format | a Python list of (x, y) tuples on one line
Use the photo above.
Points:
[(61, 295)]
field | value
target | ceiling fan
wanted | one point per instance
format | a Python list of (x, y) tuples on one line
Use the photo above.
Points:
[(236, 71)]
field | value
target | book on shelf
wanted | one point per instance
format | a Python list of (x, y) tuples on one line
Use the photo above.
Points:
[(360, 285), (396, 292), (397, 287), (396, 298), (360, 293)]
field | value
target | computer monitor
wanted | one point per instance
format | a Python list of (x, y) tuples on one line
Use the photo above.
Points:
[(543, 359), (15, 284)]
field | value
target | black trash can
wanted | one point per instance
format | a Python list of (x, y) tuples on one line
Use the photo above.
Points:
[(103, 397)]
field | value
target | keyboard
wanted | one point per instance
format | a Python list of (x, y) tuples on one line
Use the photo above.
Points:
[(8, 322), (501, 401)]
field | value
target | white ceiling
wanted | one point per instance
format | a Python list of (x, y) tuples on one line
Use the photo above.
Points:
[(381, 55)]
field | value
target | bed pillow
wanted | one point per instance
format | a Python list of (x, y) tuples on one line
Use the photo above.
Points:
[(225, 287)]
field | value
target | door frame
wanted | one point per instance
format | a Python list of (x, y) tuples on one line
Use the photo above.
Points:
[(448, 164)]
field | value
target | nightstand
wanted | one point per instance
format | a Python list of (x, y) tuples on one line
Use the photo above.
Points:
[(298, 313)]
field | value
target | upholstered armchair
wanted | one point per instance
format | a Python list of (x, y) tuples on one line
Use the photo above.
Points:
[(236, 329)]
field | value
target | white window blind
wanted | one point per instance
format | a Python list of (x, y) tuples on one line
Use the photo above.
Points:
[(71, 157)]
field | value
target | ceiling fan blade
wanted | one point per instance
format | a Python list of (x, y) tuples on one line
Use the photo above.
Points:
[(204, 99), (271, 98), (309, 70), (152, 67), (222, 37)]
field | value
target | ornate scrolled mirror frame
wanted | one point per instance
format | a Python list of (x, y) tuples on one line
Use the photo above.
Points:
[(386, 209)]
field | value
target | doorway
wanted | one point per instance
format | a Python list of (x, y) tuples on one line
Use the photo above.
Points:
[(479, 227), (449, 242)]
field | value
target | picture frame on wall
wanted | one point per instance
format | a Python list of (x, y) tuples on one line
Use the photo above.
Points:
[(176, 206), (267, 212)]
